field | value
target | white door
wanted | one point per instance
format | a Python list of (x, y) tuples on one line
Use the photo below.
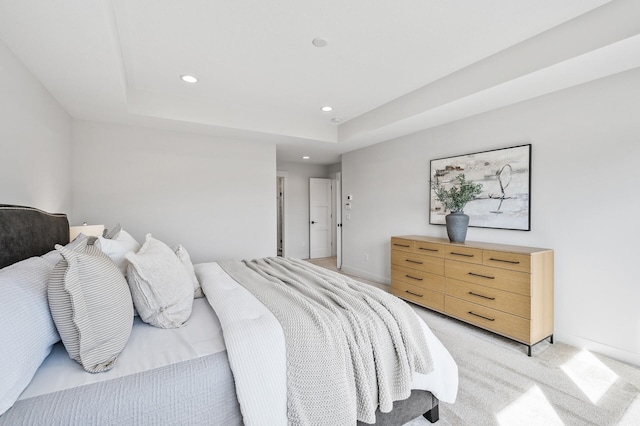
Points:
[(319, 218)]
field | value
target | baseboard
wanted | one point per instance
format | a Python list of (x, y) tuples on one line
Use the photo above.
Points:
[(366, 275), (599, 348)]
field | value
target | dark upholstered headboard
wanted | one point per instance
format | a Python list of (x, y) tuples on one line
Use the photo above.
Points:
[(26, 232)]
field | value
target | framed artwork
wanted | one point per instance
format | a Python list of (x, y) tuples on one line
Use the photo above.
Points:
[(505, 175)]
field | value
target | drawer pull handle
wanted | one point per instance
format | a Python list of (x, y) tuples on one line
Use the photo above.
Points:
[(513, 262), (428, 249), (480, 295), (401, 245), (482, 276), (413, 261), (482, 316), (414, 278), (461, 254), (412, 293)]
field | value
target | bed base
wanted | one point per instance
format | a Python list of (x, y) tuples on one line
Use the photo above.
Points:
[(433, 415), (419, 403)]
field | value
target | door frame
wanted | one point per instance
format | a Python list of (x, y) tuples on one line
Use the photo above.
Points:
[(284, 176), (337, 214)]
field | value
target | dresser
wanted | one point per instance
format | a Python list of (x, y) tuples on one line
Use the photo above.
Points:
[(502, 288)]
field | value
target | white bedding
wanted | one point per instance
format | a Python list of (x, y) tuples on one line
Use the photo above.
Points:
[(148, 348), (261, 376)]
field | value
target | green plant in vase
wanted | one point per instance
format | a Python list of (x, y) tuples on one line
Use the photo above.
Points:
[(454, 200)]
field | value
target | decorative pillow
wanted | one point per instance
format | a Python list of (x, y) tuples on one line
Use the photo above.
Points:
[(27, 332), (116, 247), (184, 257), (54, 256), (91, 306), (160, 285)]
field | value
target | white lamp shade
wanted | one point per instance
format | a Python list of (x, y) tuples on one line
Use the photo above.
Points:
[(88, 230)]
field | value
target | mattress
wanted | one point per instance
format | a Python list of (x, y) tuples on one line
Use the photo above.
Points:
[(148, 348), (163, 377), (229, 362)]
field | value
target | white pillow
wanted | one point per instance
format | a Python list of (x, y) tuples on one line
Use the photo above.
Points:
[(119, 246), (160, 285), (91, 306), (184, 257), (27, 332)]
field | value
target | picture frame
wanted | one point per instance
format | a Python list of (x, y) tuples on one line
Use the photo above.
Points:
[(505, 175)]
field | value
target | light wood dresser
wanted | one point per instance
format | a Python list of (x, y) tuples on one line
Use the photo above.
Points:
[(502, 288)]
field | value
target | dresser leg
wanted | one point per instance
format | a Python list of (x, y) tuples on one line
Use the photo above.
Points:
[(529, 351), (551, 339)]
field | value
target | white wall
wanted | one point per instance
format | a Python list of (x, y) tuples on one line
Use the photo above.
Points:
[(296, 205), (35, 141), (584, 200), (215, 197)]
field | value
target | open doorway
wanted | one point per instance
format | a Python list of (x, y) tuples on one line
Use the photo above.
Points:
[(280, 215)]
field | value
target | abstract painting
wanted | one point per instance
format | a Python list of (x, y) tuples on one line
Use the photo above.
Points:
[(505, 175)]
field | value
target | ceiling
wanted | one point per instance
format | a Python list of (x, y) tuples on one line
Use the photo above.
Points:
[(262, 79)]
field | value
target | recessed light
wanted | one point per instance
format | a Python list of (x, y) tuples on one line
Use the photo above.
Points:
[(319, 42), (189, 78), (306, 157), (327, 108), (336, 119)]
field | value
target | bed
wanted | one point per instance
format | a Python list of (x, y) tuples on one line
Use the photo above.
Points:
[(228, 365)]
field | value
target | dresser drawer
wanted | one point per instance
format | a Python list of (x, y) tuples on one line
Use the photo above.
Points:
[(509, 325), (421, 262), (417, 278), (421, 296), (502, 279), (401, 244), (505, 301), (464, 254), (513, 261), (430, 249)]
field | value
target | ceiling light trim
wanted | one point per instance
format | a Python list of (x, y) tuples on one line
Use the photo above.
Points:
[(188, 78)]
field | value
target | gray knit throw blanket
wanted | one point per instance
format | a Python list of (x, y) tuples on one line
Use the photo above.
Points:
[(339, 334)]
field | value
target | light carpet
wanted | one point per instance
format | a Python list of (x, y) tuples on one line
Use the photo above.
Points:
[(558, 385), (501, 385)]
